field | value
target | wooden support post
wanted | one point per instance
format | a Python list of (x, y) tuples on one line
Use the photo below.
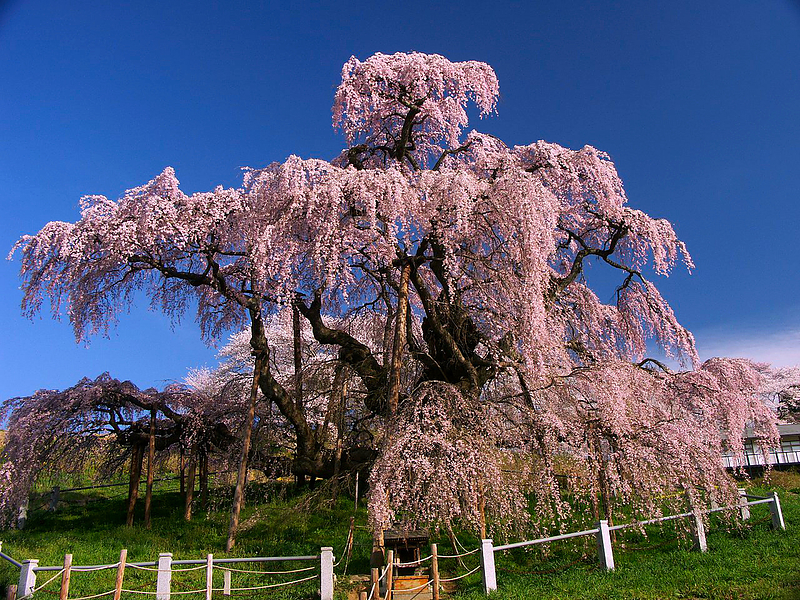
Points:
[(204, 478), (164, 581), (27, 577), (123, 558), (187, 513), (744, 508), (209, 575), (151, 459), (604, 550), (137, 454), (183, 473), (226, 583), (11, 592), (775, 511), (65, 576), (454, 544), (389, 573), (326, 573), (362, 596), (435, 570)]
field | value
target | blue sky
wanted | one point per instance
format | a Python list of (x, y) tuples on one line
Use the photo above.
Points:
[(697, 103)]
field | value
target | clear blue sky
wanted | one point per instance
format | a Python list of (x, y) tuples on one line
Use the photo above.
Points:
[(698, 104)]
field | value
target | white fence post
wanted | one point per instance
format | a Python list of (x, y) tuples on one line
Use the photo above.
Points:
[(226, 583), (604, 550), (487, 566), (744, 508), (209, 576), (326, 573), (164, 576), (775, 511), (27, 577)]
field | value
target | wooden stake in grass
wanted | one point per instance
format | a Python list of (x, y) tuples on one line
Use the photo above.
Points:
[(374, 582), (123, 557), (151, 459), (65, 577), (389, 573), (435, 570)]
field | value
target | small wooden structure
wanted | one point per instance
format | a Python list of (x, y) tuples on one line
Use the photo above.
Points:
[(409, 581)]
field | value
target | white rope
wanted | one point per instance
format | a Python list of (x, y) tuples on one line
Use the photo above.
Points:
[(133, 566), (198, 567), (460, 545), (459, 555), (264, 572), (347, 545), (414, 563), (94, 596), (100, 568), (467, 574), (272, 585), (414, 589), (139, 592), (203, 591)]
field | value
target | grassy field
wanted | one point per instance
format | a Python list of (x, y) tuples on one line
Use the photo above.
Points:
[(748, 563)]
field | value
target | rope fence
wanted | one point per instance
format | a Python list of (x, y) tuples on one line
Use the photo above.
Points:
[(463, 554), (603, 533), (168, 576), (169, 581), (462, 576)]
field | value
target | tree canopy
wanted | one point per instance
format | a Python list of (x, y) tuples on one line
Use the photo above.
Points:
[(443, 274)]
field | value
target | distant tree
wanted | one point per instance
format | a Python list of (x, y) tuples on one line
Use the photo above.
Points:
[(468, 258), (104, 420), (780, 387)]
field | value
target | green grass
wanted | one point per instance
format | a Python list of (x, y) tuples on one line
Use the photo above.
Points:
[(750, 563), (91, 527), (753, 562)]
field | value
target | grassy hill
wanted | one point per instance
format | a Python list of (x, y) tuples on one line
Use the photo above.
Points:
[(753, 562)]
